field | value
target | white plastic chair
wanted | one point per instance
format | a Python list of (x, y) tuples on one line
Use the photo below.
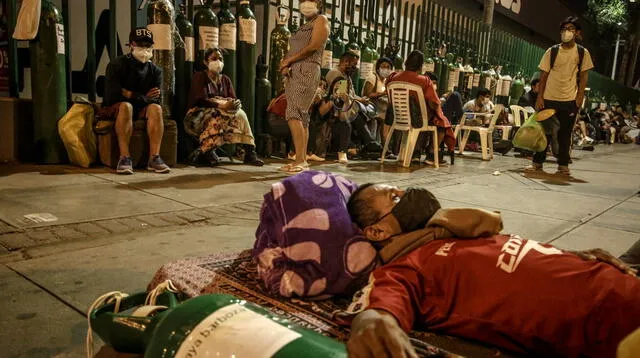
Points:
[(399, 94), (517, 118), (486, 134)]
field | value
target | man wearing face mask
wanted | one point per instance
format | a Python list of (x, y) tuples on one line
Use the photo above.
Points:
[(482, 104), (350, 110), (562, 85), (132, 90), (451, 271)]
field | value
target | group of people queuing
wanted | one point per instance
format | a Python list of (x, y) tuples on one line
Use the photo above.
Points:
[(325, 115)]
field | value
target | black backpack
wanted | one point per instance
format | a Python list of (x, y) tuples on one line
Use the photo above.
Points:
[(554, 54)]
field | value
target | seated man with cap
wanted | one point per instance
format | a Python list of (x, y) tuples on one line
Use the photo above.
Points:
[(132, 90), (451, 271)]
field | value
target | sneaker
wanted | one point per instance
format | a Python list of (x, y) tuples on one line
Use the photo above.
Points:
[(589, 140), (580, 142), (342, 158), (534, 167), (157, 165), (563, 170), (250, 156), (125, 166), (315, 158), (291, 156)]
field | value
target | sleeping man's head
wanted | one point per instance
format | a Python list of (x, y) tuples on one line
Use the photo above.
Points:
[(383, 211)]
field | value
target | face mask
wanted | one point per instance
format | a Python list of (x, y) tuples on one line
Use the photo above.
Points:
[(308, 9), (414, 209), (567, 36), (216, 66), (351, 70), (142, 54), (384, 73)]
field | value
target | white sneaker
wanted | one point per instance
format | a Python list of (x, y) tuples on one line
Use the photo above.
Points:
[(291, 156), (589, 140), (580, 142), (315, 158), (342, 158)]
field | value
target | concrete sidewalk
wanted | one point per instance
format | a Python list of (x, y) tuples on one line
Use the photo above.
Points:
[(111, 232)]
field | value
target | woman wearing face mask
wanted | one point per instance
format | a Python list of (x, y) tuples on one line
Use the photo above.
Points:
[(375, 89), (302, 70), (215, 115)]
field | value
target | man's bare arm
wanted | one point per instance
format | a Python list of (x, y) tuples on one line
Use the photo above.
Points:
[(376, 333), (584, 77), (543, 85)]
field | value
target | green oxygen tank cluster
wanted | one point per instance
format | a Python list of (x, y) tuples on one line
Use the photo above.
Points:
[(517, 88), (338, 45), (429, 65), (48, 84), (367, 61), (354, 46), (280, 36), (215, 325), (247, 59), (327, 58), (228, 40)]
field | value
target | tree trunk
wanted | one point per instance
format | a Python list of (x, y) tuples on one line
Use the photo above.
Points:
[(635, 47), (624, 63), (487, 20)]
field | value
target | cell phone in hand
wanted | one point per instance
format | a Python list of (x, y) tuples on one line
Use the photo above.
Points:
[(342, 87)]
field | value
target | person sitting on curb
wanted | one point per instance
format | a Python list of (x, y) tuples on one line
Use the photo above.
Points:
[(451, 271), (132, 90)]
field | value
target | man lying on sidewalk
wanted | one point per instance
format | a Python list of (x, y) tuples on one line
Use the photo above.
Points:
[(450, 271)]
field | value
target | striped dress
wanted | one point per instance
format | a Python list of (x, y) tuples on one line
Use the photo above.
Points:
[(304, 79)]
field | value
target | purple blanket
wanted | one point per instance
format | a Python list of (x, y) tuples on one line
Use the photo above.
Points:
[(306, 244)]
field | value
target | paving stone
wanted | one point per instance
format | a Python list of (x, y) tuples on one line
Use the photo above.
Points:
[(191, 216), (114, 226), (6, 228), (172, 218), (16, 241), (154, 220), (3, 251), (68, 233), (91, 229), (42, 236)]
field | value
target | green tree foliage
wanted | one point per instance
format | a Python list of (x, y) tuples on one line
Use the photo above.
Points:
[(609, 16)]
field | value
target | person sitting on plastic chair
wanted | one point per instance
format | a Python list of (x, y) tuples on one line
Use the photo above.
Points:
[(451, 271), (411, 74), (481, 104)]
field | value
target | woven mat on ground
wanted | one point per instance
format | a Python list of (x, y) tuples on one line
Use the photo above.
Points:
[(235, 274)]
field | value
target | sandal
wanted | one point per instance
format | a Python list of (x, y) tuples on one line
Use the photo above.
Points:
[(297, 169)]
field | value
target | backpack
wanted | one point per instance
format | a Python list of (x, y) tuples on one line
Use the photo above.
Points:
[(554, 54)]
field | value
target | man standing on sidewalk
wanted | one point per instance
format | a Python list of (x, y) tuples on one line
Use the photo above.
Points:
[(563, 80)]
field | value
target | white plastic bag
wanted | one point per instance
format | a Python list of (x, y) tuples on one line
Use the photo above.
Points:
[(76, 131), (28, 20)]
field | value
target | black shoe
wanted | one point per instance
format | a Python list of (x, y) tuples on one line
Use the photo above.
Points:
[(194, 157), (212, 158), (250, 156), (373, 147), (452, 155)]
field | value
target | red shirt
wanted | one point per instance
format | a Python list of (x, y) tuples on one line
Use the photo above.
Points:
[(430, 95), (517, 294)]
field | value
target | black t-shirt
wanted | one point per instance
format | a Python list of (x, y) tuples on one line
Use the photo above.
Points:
[(125, 72)]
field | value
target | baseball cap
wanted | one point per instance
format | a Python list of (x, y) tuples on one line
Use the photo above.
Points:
[(141, 34)]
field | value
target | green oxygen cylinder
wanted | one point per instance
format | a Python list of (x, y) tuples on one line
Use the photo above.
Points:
[(455, 74), (206, 326), (184, 57), (327, 58), (263, 95), (367, 62), (506, 88), (391, 52), (160, 15), (485, 76), (373, 46), (429, 64), (467, 80), (338, 44), (247, 59), (354, 47), (443, 76), (517, 89), (207, 31), (447, 68), (48, 84), (476, 79), (280, 36), (228, 41)]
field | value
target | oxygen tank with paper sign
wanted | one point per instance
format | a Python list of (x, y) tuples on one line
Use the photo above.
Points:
[(279, 38), (160, 14), (207, 31), (247, 59), (228, 41)]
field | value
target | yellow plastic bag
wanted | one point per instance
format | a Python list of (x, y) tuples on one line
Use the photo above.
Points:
[(76, 131), (531, 136)]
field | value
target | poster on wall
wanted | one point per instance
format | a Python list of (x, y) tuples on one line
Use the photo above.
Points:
[(4, 49)]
